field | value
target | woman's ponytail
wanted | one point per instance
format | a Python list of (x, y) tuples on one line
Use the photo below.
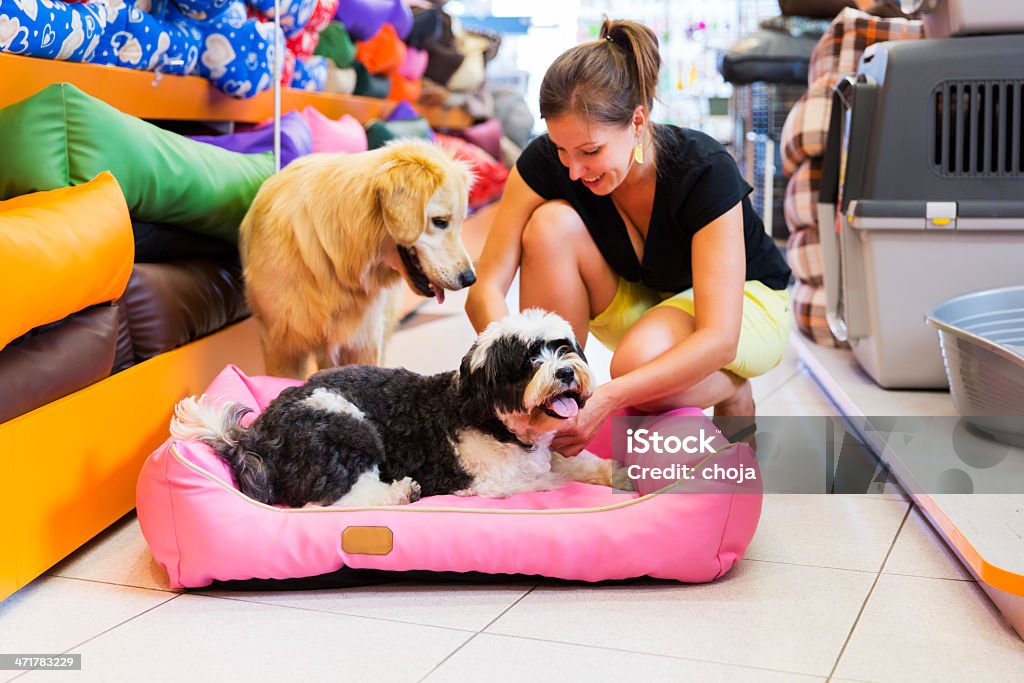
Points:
[(604, 80), (641, 44)]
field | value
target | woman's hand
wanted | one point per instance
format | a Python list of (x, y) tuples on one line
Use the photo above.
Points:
[(578, 433)]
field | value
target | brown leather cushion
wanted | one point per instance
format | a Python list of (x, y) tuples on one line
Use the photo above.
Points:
[(57, 359), (171, 304), (125, 356)]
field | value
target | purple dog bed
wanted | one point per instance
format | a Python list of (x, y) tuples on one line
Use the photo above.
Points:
[(296, 139), (363, 18)]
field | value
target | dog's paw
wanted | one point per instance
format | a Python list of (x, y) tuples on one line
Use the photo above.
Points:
[(415, 490), (621, 481), (406, 490), (585, 467)]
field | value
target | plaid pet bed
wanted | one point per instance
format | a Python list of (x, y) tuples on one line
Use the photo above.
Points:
[(839, 50), (801, 201), (806, 127), (809, 314), (803, 253)]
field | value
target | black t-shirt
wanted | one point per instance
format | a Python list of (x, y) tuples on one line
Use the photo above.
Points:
[(697, 182)]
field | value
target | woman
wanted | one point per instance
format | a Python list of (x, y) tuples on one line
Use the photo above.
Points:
[(640, 233)]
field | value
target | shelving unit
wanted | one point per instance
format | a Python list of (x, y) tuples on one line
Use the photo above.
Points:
[(151, 96)]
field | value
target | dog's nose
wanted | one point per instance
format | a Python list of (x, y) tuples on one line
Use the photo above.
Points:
[(466, 278), (565, 374)]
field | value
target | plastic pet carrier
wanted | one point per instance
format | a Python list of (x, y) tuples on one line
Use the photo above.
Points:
[(925, 162)]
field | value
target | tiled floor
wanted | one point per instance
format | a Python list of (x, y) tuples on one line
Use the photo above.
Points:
[(847, 587)]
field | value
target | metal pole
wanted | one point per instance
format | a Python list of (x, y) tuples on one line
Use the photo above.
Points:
[(278, 65)]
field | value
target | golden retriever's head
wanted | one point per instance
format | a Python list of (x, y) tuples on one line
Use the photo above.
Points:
[(422, 194)]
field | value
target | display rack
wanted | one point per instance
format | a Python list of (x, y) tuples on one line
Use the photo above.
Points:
[(154, 96)]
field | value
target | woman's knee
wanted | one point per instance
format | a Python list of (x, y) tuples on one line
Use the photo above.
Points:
[(659, 330), (552, 226)]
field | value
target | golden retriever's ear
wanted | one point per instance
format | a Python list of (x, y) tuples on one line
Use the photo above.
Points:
[(402, 188)]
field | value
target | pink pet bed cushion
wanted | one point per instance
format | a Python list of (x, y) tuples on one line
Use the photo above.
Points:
[(344, 135), (201, 529)]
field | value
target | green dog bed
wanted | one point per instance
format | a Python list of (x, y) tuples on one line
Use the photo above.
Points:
[(61, 136)]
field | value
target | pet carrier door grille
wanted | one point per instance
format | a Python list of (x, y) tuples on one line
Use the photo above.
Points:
[(978, 128)]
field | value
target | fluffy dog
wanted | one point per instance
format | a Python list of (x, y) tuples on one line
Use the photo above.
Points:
[(363, 435), (327, 240)]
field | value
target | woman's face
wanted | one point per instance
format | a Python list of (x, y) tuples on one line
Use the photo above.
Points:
[(598, 155)]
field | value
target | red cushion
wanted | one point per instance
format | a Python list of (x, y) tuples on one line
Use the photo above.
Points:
[(490, 174)]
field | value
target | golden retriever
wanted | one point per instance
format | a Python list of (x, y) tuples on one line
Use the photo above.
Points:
[(328, 239)]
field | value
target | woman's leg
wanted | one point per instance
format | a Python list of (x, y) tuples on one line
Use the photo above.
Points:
[(562, 269), (659, 330)]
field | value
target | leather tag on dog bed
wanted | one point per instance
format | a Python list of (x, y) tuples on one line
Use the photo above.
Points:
[(367, 540)]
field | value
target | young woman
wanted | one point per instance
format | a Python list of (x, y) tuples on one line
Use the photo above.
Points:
[(641, 234)]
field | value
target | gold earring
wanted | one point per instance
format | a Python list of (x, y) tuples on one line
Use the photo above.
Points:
[(638, 153)]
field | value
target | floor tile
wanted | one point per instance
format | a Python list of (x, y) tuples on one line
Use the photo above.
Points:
[(208, 639), (891, 490), (776, 616), (920, 551), (437, 347), (468, 606), (838, 531), (794, 455), (799, 395), (511, 660), (119, 555), (53, 614), (918, 629)]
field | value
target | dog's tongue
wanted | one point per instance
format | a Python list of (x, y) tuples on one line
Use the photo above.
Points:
[(565, 407), (438, 293)]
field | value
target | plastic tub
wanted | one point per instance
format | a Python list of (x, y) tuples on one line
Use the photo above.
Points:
[(982, 340)]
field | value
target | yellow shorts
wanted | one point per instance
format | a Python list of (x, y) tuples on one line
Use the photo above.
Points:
[(763, 335)]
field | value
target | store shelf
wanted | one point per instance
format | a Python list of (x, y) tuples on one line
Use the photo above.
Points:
[(147, 96), (969, 486)]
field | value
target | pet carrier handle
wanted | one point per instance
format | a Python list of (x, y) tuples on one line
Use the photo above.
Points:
[(841, 178), (828, 199)]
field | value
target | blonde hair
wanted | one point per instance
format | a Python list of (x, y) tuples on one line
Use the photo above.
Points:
[(604, 80)]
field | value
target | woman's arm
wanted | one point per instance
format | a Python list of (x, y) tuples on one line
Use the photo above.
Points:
[(500, 258), (719, 271)]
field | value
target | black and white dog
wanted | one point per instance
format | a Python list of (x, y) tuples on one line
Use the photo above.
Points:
[(363, 435)]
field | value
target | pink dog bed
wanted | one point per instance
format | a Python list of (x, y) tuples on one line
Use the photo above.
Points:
[(201, 529)]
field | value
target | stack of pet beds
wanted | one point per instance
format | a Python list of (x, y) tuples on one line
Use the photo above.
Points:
[(229, 42), (369, 50), (836, 54), (306, 131), (118, 242), (379, 48)]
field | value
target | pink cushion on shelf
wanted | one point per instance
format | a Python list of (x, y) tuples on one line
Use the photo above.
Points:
[(201, 528), (486, 136), (344, 135), (415, 64)]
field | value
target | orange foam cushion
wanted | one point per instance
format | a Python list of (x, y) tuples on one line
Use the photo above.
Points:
[(61, 251)]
